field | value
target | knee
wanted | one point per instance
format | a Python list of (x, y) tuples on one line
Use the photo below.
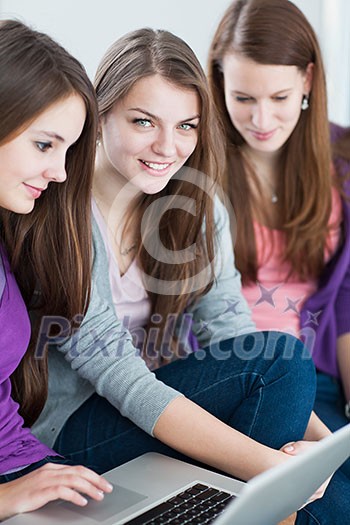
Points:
[(275, 353), (292, 356), (271, 346)]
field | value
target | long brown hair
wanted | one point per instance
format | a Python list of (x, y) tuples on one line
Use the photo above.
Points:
[(171, 285), (276, 32), (49, 249)]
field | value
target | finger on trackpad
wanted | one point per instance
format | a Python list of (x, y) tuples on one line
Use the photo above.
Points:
[(117, 501)]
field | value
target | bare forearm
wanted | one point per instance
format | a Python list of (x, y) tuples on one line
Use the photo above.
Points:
[(343, 354), (191, 430), (316, 430)]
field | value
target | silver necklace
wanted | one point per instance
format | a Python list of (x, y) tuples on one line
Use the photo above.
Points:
[(126, 251), (272, 192), (267, 182)]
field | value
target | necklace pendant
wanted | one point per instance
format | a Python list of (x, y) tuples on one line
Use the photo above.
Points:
[(274, 199), (126, 251)]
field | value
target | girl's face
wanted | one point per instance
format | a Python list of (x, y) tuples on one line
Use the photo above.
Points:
[(264, 101), (149, 134), (36, 157)]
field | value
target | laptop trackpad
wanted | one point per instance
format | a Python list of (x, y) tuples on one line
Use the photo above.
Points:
[(113, 503)]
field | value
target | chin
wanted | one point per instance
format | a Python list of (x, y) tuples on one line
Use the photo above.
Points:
[(268, 148), (23, 209), (156, 187)]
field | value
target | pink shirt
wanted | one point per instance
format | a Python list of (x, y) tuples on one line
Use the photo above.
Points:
[(130, 299), (276, 302)]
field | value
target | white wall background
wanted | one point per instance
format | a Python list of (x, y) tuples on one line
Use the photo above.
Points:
[(87, 27)]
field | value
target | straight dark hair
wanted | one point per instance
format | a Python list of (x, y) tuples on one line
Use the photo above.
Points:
[(49, 249)]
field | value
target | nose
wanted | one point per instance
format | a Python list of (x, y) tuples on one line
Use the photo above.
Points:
[(261, 115), (164, 143), (56, 172)]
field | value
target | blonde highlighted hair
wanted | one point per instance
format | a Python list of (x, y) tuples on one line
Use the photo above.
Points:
[(139, 54)]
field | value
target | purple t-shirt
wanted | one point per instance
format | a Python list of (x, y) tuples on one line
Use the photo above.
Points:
[(18, 447)]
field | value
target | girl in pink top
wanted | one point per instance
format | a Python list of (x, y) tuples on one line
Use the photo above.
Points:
[(292, 246)]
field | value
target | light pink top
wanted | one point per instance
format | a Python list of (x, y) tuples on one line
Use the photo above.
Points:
[(130, 299), (276, 302)]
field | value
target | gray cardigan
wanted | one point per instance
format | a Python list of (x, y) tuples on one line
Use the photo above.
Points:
[(101, 357)]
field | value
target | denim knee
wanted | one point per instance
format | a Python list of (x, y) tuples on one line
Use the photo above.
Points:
[(271, 354), (292, 351), (292, 357), (268, 347)]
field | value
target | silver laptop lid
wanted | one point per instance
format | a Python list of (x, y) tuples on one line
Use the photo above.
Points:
[(275, 494)]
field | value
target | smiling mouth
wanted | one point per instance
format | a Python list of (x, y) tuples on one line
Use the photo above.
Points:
[(155, 165)]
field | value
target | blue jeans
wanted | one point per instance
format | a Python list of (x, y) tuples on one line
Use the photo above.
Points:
[(259, 395), (329, 406), (264, 388)]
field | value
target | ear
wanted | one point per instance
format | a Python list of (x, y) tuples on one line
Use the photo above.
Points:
[(308, 78)]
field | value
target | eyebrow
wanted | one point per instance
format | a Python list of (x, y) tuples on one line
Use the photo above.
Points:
[(285, 90), (140, 110), (52, 135)]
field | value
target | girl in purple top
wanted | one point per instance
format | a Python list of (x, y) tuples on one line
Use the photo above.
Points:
[(268, 81), (47, 134)]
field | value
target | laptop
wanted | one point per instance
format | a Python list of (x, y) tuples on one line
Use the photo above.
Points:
[(154, 482)]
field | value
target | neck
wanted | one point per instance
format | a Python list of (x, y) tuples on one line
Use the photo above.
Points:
[(264, 179), (113, 203), (111, 191), (263, 162)]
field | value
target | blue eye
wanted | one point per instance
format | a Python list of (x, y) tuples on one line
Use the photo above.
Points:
[(186, 126), (43, 146), (142, 122)]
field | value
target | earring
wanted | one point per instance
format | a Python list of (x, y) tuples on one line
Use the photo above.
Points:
[(305, 102)]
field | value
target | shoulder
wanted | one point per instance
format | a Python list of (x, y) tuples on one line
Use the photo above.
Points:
[(340, 138), (101, 290), (99, 248), (337, 132), (222, 213)]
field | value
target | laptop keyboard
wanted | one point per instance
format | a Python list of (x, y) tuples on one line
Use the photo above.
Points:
[(198, 504)]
